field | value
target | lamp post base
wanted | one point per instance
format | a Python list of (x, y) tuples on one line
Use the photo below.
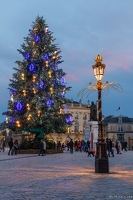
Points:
[(101, 165), (101, 158)]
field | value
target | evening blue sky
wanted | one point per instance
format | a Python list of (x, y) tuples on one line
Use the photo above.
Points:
[(83, 29)]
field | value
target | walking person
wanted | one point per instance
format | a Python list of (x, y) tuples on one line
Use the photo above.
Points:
[(111, 148), (86, 147), (79, 145), (59, 146), (76, 146), (63, 146), (3, 145), (125, 145), (88, 142), (108, 146), (44, 143), (67, 146), (16, 147), (10, 144), (41, 147), (71, 146), (116, 146), (119, 147)]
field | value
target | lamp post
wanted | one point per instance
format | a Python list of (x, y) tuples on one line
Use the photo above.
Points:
[(101, 158)]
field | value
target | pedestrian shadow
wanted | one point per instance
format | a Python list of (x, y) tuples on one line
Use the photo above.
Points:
[(17, 158)]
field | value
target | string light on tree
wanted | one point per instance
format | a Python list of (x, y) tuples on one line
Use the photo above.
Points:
[(22, 76), (6, 120), (46, 63), (24, 92), (28, 106), (39, 113), (46, 29), (18, 123), (12, 99), (49, 74), (29, 117), (34, 91), (51, 90), (34, 78)]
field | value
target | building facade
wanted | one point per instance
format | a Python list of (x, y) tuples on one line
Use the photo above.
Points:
[(119, 128), (80, 114)]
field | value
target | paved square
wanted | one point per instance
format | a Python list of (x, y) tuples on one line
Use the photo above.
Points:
[(64, 176)]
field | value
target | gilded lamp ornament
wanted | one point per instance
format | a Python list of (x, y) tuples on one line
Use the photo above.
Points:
[(98, 69)]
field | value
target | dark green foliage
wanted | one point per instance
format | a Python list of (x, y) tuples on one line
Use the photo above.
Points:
[(29, 144), (34, 144)]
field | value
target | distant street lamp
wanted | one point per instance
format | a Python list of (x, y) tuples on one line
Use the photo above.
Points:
[(101, 157)]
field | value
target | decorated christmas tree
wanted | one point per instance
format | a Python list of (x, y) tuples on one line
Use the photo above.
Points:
[(38, 87)]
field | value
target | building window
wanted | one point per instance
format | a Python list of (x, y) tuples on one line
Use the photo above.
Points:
[(120, 120), (120, 128), (76, 128), (128, 127), (84, 116), (76, 116), (110, 127), (120, 137)]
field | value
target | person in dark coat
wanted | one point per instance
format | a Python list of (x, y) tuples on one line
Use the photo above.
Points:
[(15, 147), (125, 145), (88, 142), (10, 144), (116, 146), (59, 146), (108, 146), (3, 145), (71, 146), (111, 148), (41, 147)]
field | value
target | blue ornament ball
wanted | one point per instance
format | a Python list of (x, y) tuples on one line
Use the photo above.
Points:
[(49, 102), (19, 106)]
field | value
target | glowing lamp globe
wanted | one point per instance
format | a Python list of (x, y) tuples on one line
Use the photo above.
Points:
[(98, 68)]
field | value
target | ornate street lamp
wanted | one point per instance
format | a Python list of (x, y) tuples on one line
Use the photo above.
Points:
[(101, 157)]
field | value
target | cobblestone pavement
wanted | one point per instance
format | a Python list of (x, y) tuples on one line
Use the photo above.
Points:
[(64, 176)]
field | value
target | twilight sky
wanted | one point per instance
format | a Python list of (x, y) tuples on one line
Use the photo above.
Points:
[(83, 29)]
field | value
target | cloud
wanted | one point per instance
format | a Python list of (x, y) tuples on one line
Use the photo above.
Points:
[(82, 31), (118, 61)]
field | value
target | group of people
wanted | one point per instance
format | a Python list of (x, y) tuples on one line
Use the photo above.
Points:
[(13, 147), (69, 146), (77, 146), (81, 146), (110, 147), (119, 146)]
